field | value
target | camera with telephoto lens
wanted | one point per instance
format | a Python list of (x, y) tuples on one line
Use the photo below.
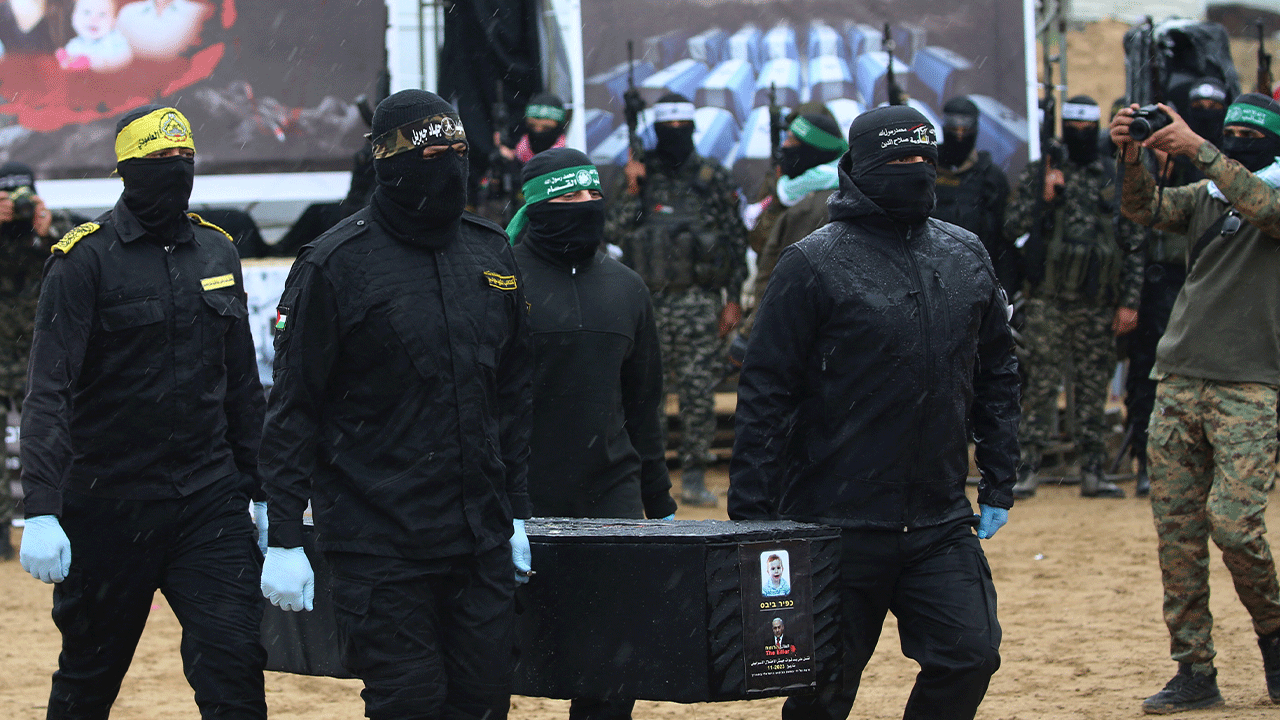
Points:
[(1147, 120), (24, 204)]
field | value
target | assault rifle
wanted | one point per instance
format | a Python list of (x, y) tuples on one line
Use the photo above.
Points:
[(896, 95), (1052, 154), (776, 128), (500, 168), (1264, 64), (632, 106)]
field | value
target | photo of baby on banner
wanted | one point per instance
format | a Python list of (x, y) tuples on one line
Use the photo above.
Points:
[(778, 620)]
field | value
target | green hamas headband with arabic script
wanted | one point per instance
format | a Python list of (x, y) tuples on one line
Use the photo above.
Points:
[(811, 134), (1246, 114), (547, 112), (442, 129), (553, 184)]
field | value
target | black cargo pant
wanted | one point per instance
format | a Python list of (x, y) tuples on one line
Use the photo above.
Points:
[(936, 581), (429, 638), (1159, 290), (201, 551)]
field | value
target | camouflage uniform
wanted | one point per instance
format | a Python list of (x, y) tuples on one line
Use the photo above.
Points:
[(1086, 276), (21, 267), (1212, 438), (689, 246)]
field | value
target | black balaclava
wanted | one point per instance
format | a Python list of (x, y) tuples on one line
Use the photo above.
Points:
[(1207, 122), (1257, 112), (157, 190), (804, 156), (904, 192), (14, 175), (570, 231), (959, 114), (1082, 145), (417, 200), (546, 104), (675, 144)]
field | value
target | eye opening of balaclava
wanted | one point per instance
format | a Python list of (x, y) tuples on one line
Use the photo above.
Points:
[(545, 106), (1081, 142), (1207, 108), (904, 192), (673, 126), (157, 190), (414, 195), (1257, 112), (568, 230), (819, 142), (959, 131)]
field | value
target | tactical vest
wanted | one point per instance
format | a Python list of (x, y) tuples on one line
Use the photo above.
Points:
[(1080, 265), (676, 245)]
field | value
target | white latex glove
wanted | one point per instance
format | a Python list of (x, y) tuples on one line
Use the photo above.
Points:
[(287, 579), (260, 520), (46, 551), (521, 555)]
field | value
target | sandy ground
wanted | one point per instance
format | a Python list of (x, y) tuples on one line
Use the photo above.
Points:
[(1079, 601)]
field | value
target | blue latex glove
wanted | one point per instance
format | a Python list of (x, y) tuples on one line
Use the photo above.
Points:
[(260, 520), (521, 555), (287, 579), (46, 551), (672, 516), (990, 520)]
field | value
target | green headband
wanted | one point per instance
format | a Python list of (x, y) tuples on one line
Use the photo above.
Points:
[(813, 135), (552, 184), (549, 112), (1246, 114)]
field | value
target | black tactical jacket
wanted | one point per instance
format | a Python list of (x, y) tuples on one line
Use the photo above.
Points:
[(401, 401), (144, 381), (598, 447), (873, 342)]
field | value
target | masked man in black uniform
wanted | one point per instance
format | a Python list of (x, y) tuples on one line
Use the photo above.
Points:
[(401, 409), (877, 335), (140, 437)]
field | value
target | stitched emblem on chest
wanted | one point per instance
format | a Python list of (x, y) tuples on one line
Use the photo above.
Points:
[(501, 282), (215, 283)]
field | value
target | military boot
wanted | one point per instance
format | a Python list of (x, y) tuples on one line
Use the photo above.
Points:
[(6, 545), (1186, 691), (1143, 488), (1094, 485), (1028, 481), (694, 489), (1270, 646)]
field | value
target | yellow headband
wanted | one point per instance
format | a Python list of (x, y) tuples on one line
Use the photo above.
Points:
[(159, 130)]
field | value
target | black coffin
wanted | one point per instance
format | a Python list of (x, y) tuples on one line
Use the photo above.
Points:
[(305, 643), (655, 610)]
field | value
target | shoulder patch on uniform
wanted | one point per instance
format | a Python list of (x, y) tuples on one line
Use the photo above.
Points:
[(350, 227), (68, 241), (501, 282), (205, 223)]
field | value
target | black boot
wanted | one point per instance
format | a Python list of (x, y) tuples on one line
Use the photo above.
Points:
[(1093, 485), (1186, 691), (6, 545), (1028, 481), (1143, 488), (1270, 646), (695, 492)]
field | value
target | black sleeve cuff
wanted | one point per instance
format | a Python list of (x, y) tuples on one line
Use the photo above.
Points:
[(659, 506), (521, 507), (285, 534)]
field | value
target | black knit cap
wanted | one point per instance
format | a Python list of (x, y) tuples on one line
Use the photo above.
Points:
[(407, 106), (551, 161), (888, 133), (960, 105), (546, 98), (15, 175), (1257, 100), (136, 113)]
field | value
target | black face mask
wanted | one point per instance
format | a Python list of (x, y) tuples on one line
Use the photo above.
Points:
[(540, 140), (904, 191), (798, 159), (675, 144), (415, 196), (157, 190), (1082, 145), (1206, 123), (569, 230), (954, 149), (1253, 153)]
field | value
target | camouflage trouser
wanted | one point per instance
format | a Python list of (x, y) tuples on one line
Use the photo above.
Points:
[(8, 465), (688, 327), (1062, 334), (1212, 455)]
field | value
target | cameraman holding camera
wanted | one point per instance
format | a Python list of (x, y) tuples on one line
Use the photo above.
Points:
[(27, 231), (1212, 437)]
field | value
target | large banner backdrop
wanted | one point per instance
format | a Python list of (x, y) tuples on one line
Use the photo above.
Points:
[(267, 85), (725, 56)]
